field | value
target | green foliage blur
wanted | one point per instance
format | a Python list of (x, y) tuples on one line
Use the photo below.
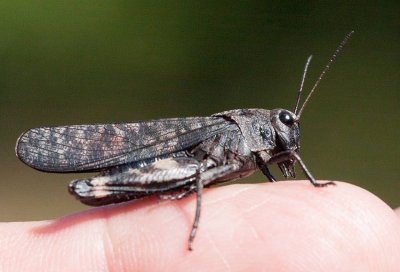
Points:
[(76, 62)]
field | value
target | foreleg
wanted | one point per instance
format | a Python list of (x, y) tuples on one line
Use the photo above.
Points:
[(290, 154)]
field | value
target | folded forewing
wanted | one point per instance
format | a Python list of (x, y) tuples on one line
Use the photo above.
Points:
[(78, 148)]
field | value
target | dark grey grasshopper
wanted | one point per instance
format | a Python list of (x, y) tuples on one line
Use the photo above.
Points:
[(173, 157)]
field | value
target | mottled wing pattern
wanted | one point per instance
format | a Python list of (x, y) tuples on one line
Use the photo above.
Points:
[(89, 147)]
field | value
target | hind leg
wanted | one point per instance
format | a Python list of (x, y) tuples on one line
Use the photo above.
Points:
[(178, 196), (123, 184)]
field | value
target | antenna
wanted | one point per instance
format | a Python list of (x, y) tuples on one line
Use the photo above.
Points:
[(327, 66), (302, 84)]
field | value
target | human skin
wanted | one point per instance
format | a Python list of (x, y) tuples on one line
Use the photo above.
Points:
[(283, 226)]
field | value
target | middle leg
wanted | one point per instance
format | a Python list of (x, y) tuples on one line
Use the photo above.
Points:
[(205, 178)]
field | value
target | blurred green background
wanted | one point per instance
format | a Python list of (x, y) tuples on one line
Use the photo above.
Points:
[(75, 62)]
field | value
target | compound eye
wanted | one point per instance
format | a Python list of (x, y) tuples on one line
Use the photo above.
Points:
[(286, 118)]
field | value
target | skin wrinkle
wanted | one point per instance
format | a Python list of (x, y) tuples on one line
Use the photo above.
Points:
[(177, 208), (240, 214), (252, 228), (135, 245), (140, 237), (215, 211), (108, 245), (255, 206), (218, 252), (153, 240), (239, 225), (235, 212), (223, 198)]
